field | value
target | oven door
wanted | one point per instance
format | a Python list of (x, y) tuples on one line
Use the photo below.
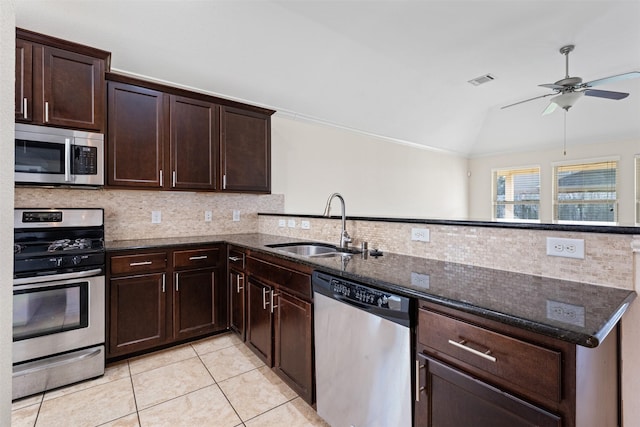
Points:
[(58, 313)]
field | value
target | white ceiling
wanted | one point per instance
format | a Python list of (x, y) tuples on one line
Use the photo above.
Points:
[(397, 69)]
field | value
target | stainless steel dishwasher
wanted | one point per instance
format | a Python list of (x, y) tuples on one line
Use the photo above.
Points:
[(362, 354)]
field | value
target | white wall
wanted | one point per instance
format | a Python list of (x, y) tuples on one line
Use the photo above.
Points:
[(377, 177), (480, 180), (7, 86)]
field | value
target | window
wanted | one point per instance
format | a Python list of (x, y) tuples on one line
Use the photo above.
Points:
[(586, 192), (516, 194), (638, 189)]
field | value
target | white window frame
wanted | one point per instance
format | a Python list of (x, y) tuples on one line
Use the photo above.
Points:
[(637, 163), (554, 184), (510, 203)]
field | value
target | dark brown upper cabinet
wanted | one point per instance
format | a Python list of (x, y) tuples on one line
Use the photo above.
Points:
[(59, 83), (246, 150), (194, 143), (168, 138), (135, 140)]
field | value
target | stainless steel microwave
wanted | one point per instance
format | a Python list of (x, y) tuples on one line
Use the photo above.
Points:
[(53, 156)]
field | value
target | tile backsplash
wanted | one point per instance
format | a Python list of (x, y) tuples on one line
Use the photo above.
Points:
[(609, 258), (128, 212)]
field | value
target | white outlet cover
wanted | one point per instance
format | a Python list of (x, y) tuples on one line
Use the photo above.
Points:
[(236, 215), (291, 223), (420, 234), (282, 223), (420, 279), (208, 216), (156, 217), (566, 248), (305, 225)]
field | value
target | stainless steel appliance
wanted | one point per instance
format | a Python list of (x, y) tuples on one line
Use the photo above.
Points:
[(53, 156), (362, 353), (58, 298)]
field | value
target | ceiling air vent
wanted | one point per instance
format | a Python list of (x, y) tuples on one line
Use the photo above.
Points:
[(482, 79)]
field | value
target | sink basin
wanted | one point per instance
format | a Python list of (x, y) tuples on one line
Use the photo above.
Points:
[(311, 249)]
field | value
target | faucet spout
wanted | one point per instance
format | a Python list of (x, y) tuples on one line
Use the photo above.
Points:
[(345, 239)]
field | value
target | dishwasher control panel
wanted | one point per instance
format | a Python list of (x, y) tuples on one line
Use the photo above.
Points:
[(365, 295)]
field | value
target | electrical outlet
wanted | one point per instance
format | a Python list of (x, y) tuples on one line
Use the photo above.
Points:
[(420, 234), (305, 225), (282, 223), (208, 216), (291, 223), (236, 215), (156, 217), (420, 279), (567, 248)]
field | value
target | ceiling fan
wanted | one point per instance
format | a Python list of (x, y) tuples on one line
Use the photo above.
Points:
[(569, 89)]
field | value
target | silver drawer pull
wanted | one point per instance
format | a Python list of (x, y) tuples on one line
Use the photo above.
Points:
[(239, 278), (234, 258), (194, 258), (137, 264), (24, 108), (418, 388), (485, 355), (273, 295)]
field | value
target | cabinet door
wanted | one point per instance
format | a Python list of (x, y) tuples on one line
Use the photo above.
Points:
[(259, 320), (237, 302), (24, 82), (195, 298), (294, 343), (246, 150), (194, 143), (450, 398), (73, 89), (137, 313), (135, 136)]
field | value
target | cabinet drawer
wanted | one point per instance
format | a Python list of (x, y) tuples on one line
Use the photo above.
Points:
[(527, 367), (296, 282), (208, 257), (236, 259), (138, 263)]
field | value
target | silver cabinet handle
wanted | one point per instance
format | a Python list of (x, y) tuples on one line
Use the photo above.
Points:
[(234, 258), (264, 298), (163, 282), (136, 264), (224, 181), (418, 388), (177, 282), (161, 178), (67, 161), (273, 295), (173, 179), (239, 278), (46, 112), (194, 258), (24, 109), (486, 355)]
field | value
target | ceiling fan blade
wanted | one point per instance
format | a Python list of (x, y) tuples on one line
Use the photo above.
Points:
[(552, 86), (610, 79), (550, 108), (605, 94), (526, 100)]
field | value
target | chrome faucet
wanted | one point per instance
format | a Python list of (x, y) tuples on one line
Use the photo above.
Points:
[(345, 239)]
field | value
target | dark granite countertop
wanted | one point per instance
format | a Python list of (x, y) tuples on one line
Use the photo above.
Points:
[(576, 312)]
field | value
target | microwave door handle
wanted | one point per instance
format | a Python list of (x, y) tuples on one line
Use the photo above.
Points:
[(67, 160)]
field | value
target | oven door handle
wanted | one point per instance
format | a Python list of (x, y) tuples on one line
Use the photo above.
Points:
[(57, 277)]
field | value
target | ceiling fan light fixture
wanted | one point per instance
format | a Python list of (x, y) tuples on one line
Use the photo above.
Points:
[(567, 99)]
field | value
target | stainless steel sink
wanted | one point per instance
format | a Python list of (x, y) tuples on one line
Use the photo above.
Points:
[(311, 249)]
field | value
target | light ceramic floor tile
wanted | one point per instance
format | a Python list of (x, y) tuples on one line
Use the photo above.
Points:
[(91, 407), (26, 401), (217, 342), (256, 392), (230, 361), (112, 372), (160, 358), (127, 421), (25, 416), (204, 407), (167, 382), (295, 413)]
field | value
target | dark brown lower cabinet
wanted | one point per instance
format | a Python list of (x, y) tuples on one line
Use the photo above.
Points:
[(450, 398), (137, 313), (195, 311), (259, 320), (293, 342)]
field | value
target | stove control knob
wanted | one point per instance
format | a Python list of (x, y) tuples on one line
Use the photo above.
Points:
[(75, 260)]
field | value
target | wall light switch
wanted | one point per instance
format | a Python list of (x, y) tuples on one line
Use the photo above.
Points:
[(156, 217)]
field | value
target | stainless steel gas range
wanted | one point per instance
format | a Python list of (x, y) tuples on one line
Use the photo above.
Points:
[(58, 298)]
